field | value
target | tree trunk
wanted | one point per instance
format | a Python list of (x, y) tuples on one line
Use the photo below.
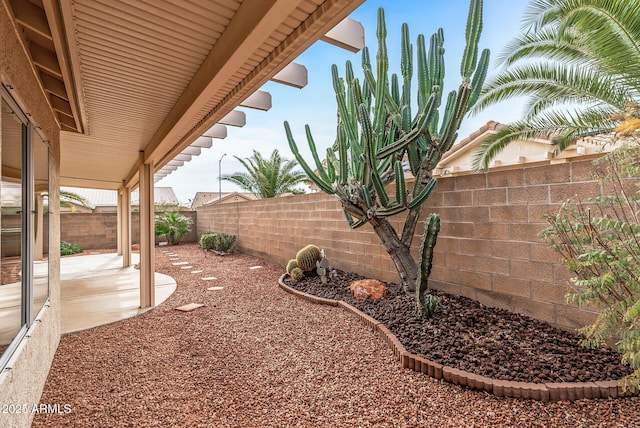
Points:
[(399, 253)]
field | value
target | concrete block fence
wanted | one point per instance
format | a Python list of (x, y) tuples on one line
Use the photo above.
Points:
[(99, 230), (488, 248)]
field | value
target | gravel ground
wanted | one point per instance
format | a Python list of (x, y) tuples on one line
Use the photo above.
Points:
[(256, 356)]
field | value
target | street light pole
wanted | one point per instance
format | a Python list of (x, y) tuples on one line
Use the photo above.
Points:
[(220, 178)]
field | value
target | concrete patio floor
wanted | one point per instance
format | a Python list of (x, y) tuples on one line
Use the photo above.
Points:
[(97, 290)]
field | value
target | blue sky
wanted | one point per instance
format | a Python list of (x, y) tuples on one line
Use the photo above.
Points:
[(315, 104)]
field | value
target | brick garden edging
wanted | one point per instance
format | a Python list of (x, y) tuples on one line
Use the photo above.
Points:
[(561, 391)]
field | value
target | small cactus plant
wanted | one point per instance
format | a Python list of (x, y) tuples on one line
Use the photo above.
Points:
[(291, 265), (296, 274), (426, 303), (307, 257), (321, 267)]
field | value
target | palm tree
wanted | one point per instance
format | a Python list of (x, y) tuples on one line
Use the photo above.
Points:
[(578, 61), (67, 199), (173, 226), (268, 178)]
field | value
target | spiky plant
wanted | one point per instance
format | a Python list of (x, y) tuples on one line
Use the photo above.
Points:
[(577, 61), (268, 178), (379, 138)]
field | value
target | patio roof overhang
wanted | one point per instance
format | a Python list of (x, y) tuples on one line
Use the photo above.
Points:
[(130, 77)]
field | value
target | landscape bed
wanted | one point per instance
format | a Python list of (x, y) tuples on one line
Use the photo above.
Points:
[(468, 336)]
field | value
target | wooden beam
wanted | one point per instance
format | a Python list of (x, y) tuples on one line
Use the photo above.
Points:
[(216, 131), (254, 22), (259, 100), (60, 17), (31, 17), (61, 106), (67, 121), (292, 75), (235, 118), (348, 34), (54, 86), (46, 60), (170, 139)]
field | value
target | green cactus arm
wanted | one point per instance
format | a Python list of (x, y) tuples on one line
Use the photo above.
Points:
[(406, 54), (392, 210), (427, 245), (380, 190), (413, 153), (382, 68), (423, 195), (401, 186), (356, 94), (423, 120), (472, 36), (354, 224), (366, 197), (448, 112), (331, 161), (314, 153), (461, 108), (479, 77), (436, 60), (326, 187), (395, 88), (424, 85), (343, 172), (345, 117)]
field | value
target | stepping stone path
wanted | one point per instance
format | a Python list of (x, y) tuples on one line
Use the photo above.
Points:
[(189, 307), (214, 288), (197, 271), (180, 263), (255, 267), (209, 278), (186, 267)]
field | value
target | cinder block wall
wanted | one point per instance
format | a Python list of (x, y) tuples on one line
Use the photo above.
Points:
[(488, 248), (99, 230)]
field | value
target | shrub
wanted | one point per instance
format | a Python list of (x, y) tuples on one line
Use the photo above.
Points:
[(172, 226), (68, 248), (218, 242), (599, 240)]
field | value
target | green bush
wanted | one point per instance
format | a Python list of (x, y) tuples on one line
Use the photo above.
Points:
[(599, 240), (68, 248), (218, 242), (172, 226)]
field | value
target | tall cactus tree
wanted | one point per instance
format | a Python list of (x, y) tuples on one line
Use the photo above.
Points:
[(376, 132)]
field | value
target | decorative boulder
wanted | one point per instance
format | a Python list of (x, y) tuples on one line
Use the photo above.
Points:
[(364, 289)]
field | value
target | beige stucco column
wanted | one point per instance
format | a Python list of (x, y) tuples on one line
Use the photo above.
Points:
[(124, 225), (38, 250), (147, 235)]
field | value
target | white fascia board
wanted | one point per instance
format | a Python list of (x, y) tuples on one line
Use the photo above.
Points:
[(292, 75), (216, 131), (348, 34), (259, 100)]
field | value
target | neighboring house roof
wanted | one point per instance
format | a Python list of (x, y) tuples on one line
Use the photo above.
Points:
[(230, 197), (518, 153), (205, 198), (109, 198)]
